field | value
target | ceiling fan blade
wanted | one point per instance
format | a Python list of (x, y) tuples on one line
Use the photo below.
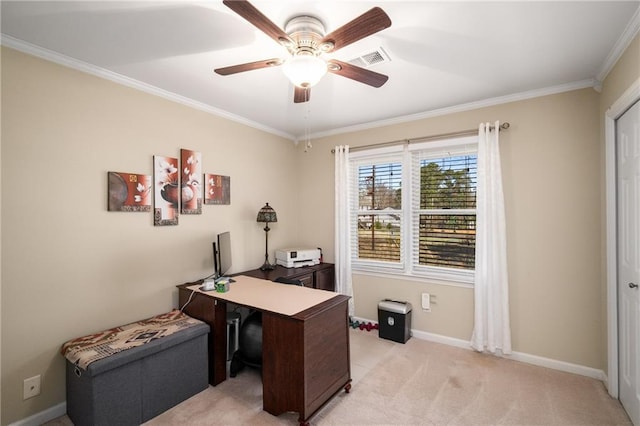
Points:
[(357, 73), (301, 94), (364, 25), (233, 69), (258, 20)]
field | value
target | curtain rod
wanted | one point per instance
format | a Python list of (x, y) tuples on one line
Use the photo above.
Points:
[(469, 132)]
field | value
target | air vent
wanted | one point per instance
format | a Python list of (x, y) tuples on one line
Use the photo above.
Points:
[(370, 59)]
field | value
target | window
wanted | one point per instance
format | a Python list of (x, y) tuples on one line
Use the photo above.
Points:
[(413, 209), (379, 214)]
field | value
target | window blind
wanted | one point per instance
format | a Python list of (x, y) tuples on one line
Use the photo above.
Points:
[(379, 212), (443, 214)]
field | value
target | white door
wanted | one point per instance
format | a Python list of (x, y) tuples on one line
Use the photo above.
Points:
[(628, 191)]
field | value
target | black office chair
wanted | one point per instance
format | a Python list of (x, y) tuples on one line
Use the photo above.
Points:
[(291, 281), (250, 343)]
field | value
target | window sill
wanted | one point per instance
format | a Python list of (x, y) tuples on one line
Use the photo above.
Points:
[(412, 277)]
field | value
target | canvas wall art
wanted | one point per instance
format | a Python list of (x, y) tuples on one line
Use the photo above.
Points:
[(191, 189), (167, 190), (129, 192), (217, 189)]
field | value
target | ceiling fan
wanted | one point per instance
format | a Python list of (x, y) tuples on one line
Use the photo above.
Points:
[(305, 40)]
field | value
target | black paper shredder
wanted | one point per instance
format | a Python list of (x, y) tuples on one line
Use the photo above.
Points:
[(394, 320)]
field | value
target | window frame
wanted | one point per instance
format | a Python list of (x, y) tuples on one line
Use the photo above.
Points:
[(407, 155), (370, 157)]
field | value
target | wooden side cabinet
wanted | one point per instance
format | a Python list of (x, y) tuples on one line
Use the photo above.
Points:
[(321, 276), (325, 278)]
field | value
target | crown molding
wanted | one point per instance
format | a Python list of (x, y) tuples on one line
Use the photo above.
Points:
[(621, 45), (73, 63), (576, 85)]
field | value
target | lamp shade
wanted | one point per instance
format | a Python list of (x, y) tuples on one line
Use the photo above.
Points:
[(304, 70), (267, 214)]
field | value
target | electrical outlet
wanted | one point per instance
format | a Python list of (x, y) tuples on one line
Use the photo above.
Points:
[(426, 302), (31, 387)]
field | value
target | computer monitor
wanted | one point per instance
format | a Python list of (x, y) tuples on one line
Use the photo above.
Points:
[(224, 250), (222, 254), (216, 262)]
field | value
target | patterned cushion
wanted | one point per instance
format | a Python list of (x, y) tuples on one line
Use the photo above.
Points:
[(85, 350)]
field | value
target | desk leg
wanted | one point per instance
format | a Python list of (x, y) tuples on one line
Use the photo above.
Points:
[(214, 313), (219, 360)]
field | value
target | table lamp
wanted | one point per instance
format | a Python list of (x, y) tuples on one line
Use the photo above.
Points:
[(267, 215)]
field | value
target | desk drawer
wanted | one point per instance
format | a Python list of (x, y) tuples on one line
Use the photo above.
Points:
[(307, 279)]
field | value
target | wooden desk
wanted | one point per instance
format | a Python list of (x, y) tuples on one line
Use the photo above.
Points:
[(305, 340)]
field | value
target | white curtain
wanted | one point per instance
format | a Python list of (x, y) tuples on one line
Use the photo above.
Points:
[(491, 331), (342, 221)]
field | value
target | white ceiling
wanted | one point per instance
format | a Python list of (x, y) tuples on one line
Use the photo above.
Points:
[(442, 54)]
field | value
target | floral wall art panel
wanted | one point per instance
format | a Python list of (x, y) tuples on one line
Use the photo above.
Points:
[(167, 190), (129, 192), (217, 189), (191, 190)]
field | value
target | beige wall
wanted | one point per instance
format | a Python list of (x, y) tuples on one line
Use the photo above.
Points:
[(625, 72), (70, 267), (551, 173)]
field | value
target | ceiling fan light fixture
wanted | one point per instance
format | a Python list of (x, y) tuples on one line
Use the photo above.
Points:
[(305, 70)]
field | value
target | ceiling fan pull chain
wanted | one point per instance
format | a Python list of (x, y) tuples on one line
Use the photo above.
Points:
[(307, 129)]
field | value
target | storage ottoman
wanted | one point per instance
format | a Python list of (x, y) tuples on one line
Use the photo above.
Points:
[(133, 385)]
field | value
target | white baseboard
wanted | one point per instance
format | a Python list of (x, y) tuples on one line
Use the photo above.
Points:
[(558, 365), (43, 416), (516, 356)]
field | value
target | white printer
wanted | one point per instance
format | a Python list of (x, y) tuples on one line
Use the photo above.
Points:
[(295, 258)]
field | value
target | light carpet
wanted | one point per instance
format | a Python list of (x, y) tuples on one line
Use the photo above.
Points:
[(417, 383)]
